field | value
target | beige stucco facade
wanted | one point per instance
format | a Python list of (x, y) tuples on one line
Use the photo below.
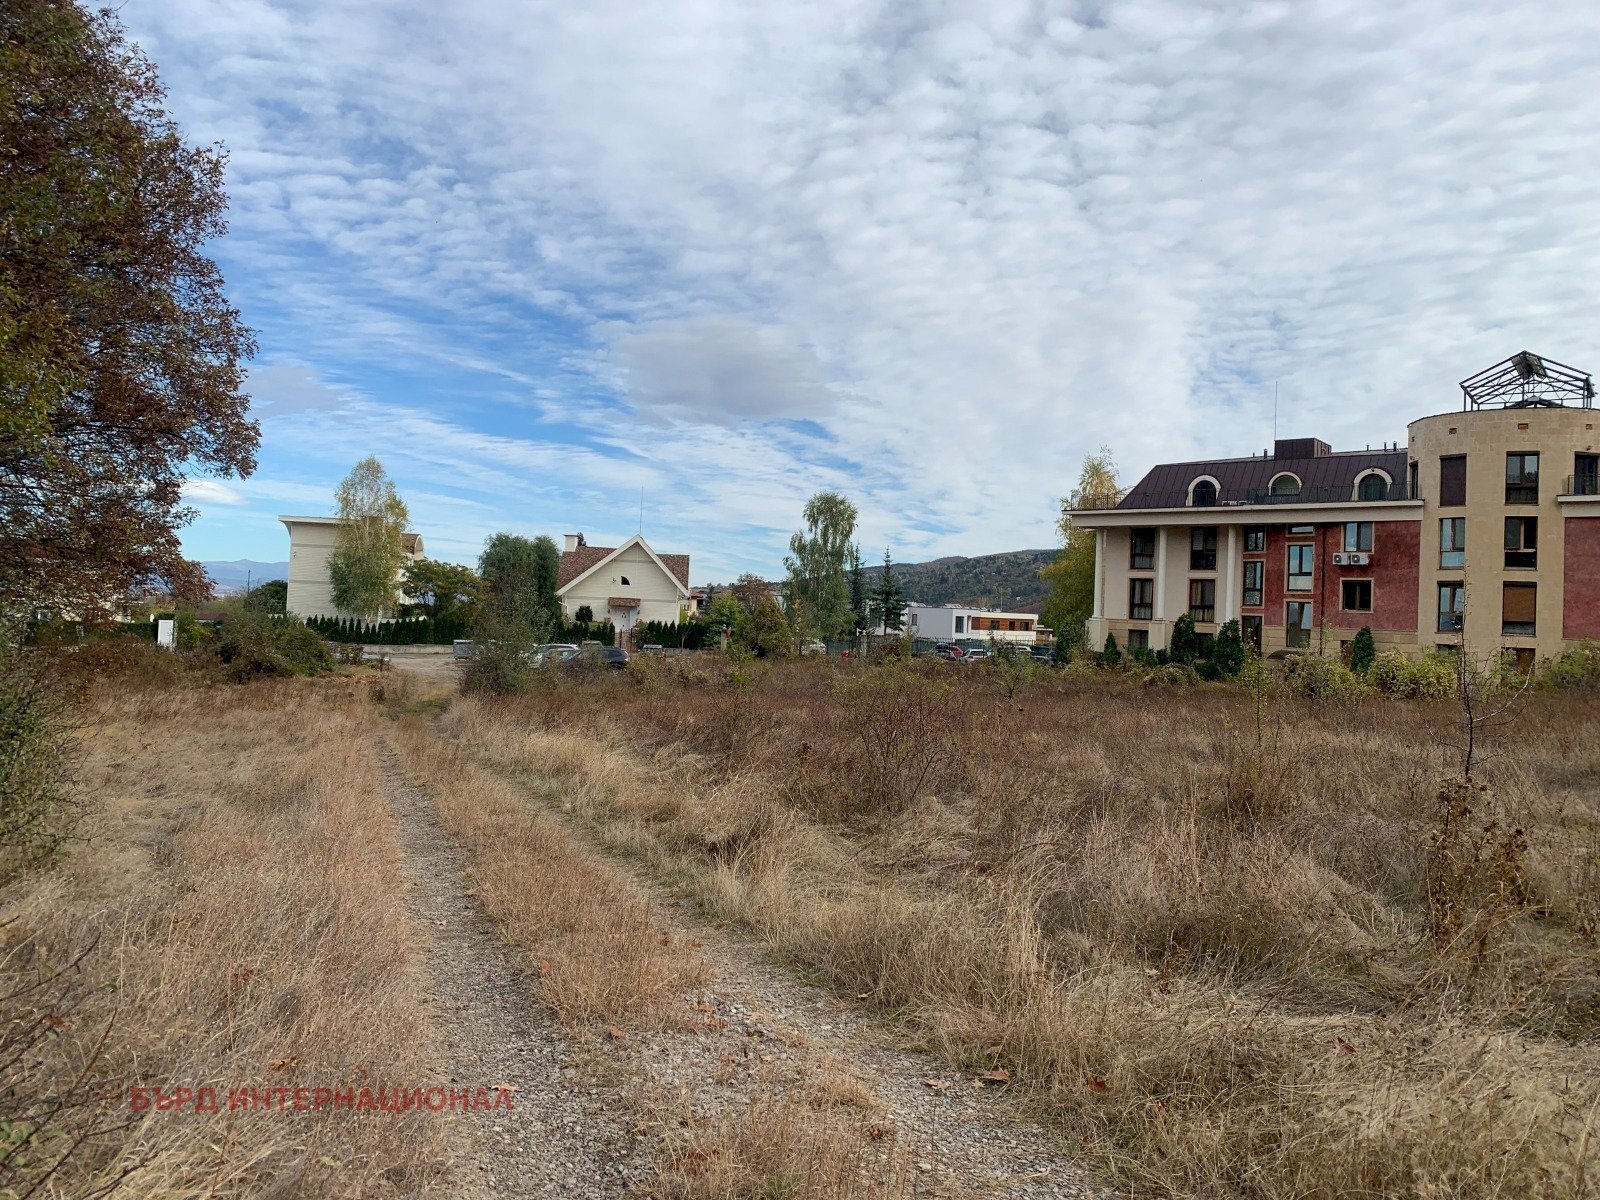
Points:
[(311, 542), (1485, 437)]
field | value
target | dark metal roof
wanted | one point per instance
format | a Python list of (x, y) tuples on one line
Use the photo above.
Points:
[(1324, 479)]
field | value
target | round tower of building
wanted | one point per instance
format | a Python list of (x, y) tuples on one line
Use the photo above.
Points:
[(1510, 538)]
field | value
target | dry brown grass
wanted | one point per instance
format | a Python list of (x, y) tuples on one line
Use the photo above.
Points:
[(820, 1137), (601, 957), (237, 904), (1206, 945)]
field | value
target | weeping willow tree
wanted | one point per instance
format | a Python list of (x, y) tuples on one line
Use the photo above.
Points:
[(370, 546)]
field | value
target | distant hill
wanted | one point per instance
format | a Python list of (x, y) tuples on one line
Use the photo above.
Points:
[(988, 581), (1006, 580), (227, 577)]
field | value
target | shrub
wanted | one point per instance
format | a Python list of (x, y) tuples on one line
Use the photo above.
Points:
[(35, 764), (1111, 656), (1578, 667), (1319, 678), (1362, 651), (896, 724), (767, 634), (252, 645), (584, 615), (1227, 652), (1430, 677), (1185, 646)]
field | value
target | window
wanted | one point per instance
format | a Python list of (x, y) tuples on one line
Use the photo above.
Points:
[(1142, 549), (1453, 479), (1203, 599), (1138, 639), (1297, 530), (1522, 542), (1286, 485), (1203, 494), (1141, 599), (1355, 595), (1586, 475), (1252, 632), (1254, 572), (1452, 541), (1522, 478), (1517, 609), (1301, 556), (1523, 658), (961, 624), (1203, 548), (1358, 535), (1255, 538), (1372, 487), (1411, 480), (1297, 635), (625, 582), (1452, 603)]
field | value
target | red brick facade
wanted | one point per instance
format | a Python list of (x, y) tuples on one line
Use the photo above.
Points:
[(1393, 572), (1580, 616)]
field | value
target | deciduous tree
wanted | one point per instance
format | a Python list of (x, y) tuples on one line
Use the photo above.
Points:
[(441, 589), (369, 549), (1071, 576), (818, 587), (121, 360), (519, 577)]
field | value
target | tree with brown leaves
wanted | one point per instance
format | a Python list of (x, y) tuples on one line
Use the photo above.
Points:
[(120, 357)]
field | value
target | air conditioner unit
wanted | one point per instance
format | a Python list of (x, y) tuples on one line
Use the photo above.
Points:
[(1350, 559)]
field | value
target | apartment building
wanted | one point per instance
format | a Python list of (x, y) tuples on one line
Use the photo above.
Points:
[(1484, 530)]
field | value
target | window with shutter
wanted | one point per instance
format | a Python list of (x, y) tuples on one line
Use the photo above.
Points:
[(1517, 608), (1453, 479)]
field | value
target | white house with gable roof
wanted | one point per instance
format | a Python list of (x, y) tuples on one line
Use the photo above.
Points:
[(623, 584)]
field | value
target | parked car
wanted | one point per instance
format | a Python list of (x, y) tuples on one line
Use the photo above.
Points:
[(976, 655), (813, 646), (552, 652), (593, 655), (949, 651)]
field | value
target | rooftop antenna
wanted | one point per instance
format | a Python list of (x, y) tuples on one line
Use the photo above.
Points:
[(1274, 410), (641, 512)]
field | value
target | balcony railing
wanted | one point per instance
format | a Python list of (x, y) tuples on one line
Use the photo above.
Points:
[(1581, 485), (1322, 494)]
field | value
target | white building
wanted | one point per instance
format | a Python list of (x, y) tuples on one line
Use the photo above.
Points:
[(950, 623), (624, 584), (311, 542)]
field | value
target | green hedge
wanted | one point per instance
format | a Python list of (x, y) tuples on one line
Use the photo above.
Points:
[(409, 631), (687, 635)]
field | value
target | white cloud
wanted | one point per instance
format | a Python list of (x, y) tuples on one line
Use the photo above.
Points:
[(969, 242), (209, 491)]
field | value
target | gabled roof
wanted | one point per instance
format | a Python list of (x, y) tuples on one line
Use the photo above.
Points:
[(584, 560)]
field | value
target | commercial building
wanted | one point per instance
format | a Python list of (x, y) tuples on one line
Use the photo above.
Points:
[(1483, 530), (952, 623)]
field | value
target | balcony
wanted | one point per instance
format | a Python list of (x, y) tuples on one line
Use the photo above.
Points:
[(1581, 485)]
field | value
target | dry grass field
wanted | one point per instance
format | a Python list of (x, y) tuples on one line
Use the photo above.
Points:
[(229, 915), (1228, 940)]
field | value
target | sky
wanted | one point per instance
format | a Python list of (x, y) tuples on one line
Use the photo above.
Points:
[(546, 260)]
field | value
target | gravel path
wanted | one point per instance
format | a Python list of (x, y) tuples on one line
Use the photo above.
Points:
[(560, 1139)]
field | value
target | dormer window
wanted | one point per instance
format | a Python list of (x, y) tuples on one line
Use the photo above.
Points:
[(1286, 484), (1373, 485), (1203, 493)]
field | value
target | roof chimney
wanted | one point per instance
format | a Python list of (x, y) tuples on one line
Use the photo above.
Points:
[(1301, 448), (571, 542)]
